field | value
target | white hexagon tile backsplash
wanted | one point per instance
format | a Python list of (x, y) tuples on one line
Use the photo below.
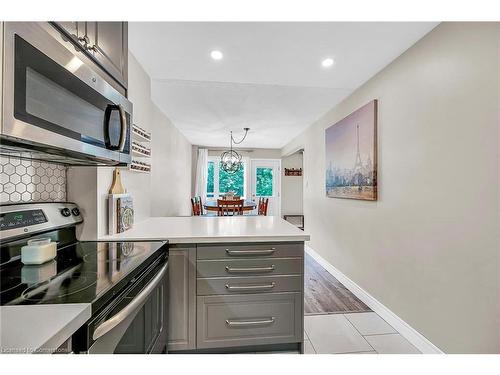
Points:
[(31, 181)]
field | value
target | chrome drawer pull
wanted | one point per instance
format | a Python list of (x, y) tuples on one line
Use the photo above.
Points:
[(251, 287), (250, 252), (250, 269), (243, 323)]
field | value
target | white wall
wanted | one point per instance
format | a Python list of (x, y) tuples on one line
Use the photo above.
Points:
[(428, 249), (163, 192), (81, 183), (171, 169), (291, 186)]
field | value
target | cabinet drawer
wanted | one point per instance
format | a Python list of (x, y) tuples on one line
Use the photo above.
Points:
[(251, 250), (247, 267), (239, 285), (224, 321)]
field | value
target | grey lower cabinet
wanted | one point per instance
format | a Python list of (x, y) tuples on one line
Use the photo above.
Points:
[(248, 267), (252, 319), (182, 298), (236, 295), (248, 284)]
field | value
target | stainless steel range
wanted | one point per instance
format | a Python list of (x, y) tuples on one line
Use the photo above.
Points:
[(125, 282)]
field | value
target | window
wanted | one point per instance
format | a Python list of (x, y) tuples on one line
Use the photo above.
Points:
[(264, 186), (220, 182)]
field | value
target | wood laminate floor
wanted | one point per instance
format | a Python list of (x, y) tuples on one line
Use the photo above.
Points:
[(324, 294)]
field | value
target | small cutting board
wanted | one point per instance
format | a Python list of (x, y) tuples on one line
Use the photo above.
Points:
[(116, 185)]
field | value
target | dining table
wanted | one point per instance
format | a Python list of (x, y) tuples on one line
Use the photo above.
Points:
[(248, 205)]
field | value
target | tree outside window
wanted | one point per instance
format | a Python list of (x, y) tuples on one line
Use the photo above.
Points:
[(231, 182), (210, 179), (220, 182), (264, 186)]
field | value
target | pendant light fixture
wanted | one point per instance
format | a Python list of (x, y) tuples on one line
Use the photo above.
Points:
[(231, 160)]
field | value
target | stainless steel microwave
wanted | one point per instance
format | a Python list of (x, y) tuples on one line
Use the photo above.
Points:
[(55, 106)]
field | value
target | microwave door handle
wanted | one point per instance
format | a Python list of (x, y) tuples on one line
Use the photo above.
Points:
[(136, 303), (123, 122)]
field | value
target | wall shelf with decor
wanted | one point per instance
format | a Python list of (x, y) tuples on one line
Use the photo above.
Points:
[(140, 134), (293, 171), (141, 153), (139, 166), (140, 150)]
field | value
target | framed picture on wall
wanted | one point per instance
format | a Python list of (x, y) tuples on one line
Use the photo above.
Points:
[(351, 155)]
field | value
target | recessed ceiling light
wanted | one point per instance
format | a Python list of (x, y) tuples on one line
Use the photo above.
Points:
[(216, 55), (326, 63)]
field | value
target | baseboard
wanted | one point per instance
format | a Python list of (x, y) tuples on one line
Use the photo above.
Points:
[(408, 332)]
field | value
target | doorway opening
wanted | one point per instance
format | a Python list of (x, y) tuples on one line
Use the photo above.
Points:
[(293, 188)]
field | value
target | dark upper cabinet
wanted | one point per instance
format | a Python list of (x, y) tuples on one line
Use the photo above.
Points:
[(105, 42), (109, 46), (73, 28)]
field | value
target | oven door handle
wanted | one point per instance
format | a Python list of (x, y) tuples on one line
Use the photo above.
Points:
[(137, 302)]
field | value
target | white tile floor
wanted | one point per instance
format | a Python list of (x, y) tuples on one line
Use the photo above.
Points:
[(369, 324), (334, 334), (359, 333)]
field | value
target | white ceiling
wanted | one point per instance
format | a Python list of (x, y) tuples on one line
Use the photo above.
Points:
[(270, 78)]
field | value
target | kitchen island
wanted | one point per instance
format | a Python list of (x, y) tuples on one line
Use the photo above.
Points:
[(236, 284), (209, 229)]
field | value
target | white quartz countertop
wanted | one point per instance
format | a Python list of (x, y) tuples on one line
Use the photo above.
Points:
[(211, 229), (39, 328)]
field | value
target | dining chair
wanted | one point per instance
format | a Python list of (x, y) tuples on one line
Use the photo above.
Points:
[(262, 207), (197, 206), (229, 207)]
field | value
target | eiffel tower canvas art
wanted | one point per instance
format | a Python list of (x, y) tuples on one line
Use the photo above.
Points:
[(351, 155)]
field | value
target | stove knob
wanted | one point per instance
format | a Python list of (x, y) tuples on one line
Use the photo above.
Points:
[(65, 212), (75, 211)]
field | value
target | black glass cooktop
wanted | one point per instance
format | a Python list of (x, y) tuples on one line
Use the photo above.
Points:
[(82, 272)]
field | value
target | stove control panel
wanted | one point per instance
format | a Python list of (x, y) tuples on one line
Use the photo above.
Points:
[(27, 218), (17, 219)]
